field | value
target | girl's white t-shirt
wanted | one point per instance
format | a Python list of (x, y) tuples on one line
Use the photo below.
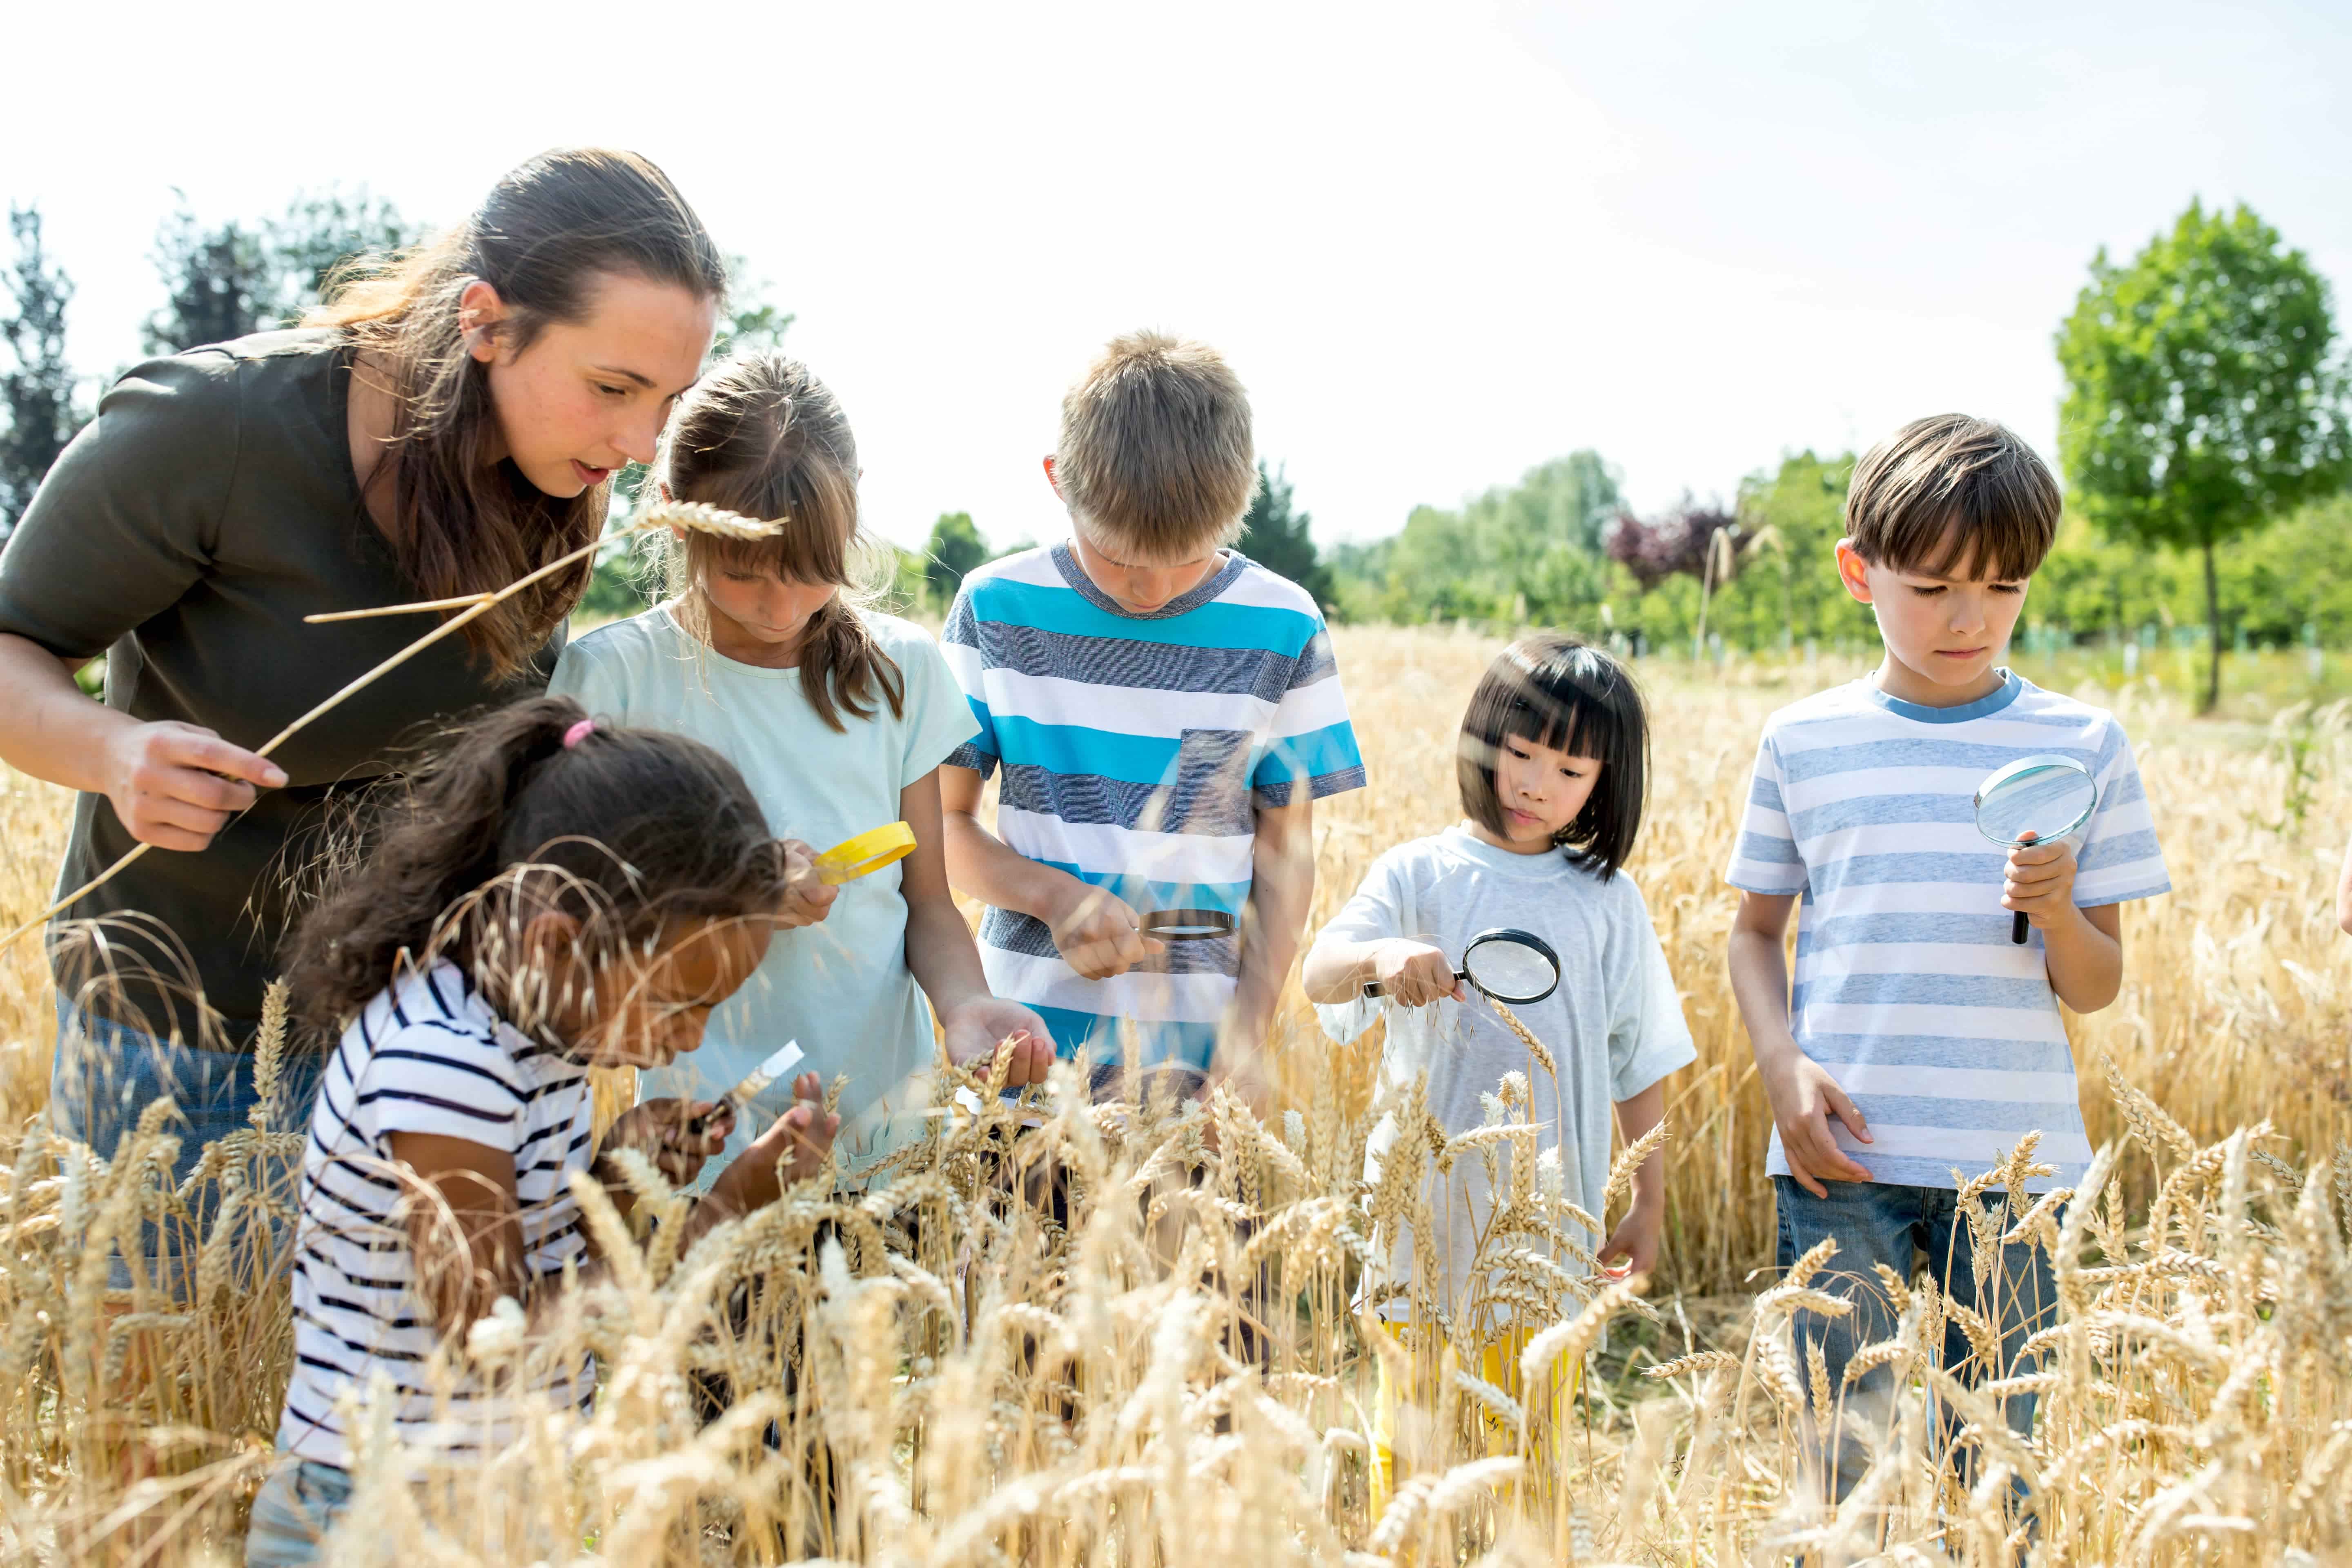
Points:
[(841, 988), (1614, 1026)]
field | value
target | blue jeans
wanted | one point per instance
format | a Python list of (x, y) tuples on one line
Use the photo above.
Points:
[(1875, 1223), (105, 1075), (297, 1505)]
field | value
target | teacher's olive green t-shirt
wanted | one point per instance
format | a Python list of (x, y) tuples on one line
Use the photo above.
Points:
[(185, 533)]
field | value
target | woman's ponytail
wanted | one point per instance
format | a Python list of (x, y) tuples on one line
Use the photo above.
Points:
[(621, 829)]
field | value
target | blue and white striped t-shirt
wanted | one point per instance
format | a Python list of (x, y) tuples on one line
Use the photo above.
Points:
[(1946, 1035), (1135, 751)]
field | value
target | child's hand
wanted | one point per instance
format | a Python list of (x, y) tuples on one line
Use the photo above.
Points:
[(657, 1129), (1239, 1069), (1803, 1098), (796, 1143), (2040, 880), (1635, 1240), (974, 1028), (1100, 935), (808, 899), (1415, 973)]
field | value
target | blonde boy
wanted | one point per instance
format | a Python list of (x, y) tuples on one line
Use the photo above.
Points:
[(1165, 714)]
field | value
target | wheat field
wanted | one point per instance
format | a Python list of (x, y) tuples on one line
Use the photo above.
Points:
[(1177, 1375)]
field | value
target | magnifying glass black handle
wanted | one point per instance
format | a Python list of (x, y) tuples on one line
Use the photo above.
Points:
[(1374, 988), (2017, 928)]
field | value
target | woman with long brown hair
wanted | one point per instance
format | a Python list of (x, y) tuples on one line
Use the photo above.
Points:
[(450, 421)]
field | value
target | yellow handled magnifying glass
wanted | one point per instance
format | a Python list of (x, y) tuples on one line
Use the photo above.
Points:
[(867, 853)]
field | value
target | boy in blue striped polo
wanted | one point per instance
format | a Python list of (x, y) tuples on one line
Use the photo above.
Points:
[(1921, 1043), (1164, 712)]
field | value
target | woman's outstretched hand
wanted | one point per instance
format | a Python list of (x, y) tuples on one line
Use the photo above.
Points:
[(175, 785)]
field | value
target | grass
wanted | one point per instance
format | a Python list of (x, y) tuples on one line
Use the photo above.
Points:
[(971, 1383)]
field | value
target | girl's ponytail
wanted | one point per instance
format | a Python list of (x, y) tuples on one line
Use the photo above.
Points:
[(842, 667), (532, 809)]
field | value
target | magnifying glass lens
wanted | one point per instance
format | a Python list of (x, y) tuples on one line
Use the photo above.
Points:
[(2036, 798), (1510, 971), (1187, 925), (2047, 802)]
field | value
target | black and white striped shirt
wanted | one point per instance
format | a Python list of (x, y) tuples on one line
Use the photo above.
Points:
[(428, 1055)]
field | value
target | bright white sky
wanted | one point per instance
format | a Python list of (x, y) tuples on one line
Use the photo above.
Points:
[(1440, 243)]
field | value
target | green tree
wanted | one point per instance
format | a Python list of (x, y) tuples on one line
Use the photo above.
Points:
[(320, 231), (952, 552), (218, 283), (36, 392), (236, 277), (1527, 552), (1274, 534), (753, 320), (2201, 399)]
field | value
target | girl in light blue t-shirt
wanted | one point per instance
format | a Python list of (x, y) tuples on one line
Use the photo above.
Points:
[(838, 717)]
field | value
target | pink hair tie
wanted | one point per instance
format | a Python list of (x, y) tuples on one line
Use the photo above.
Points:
[(577, 733)]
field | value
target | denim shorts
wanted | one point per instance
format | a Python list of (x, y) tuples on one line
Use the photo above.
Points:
[(1877, 1222), (298, 1505), (106, 1074)]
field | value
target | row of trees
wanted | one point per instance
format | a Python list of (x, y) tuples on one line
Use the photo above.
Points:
[(2205, 406), (1274, 534), (2205, 415), (219, 281)]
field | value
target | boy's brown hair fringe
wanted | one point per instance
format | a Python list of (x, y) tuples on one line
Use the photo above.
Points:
[(1156, 457), (761, 435), (1951, 494)]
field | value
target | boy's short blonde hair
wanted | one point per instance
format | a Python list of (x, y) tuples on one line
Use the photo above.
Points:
[(1951, 493), (1156, 459)]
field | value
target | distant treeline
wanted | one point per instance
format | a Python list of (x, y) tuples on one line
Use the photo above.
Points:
[(1559, 549), (2205, 417)]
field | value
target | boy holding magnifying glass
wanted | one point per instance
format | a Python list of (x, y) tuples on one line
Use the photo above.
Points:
[(1164, 712), (1920, 1044)]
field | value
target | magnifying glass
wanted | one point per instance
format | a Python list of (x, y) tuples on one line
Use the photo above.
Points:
[(2033, 801), (753, 1084), (866, 854), (1507, 964), (1186, 925)]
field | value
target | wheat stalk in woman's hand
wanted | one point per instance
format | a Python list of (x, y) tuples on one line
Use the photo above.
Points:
[(693, 517)]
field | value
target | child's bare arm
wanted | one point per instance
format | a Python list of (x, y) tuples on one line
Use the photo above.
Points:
[(1413, 973), (464, 1230), (1282, 886), (1803, 1095), (1635, 1239), (2083, 950), (943, 958), (1096, 933), (465, 1223)]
